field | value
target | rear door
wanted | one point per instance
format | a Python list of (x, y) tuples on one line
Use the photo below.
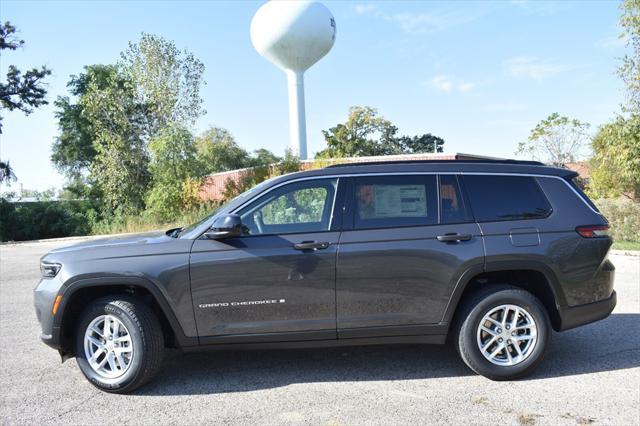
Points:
[(405, 243)]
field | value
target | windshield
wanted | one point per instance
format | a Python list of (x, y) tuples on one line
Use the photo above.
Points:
[(228, 206)]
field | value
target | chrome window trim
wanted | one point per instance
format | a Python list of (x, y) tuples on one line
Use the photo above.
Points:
[(350, 175)]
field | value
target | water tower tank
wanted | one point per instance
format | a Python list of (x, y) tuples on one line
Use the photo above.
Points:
[(294, 35)]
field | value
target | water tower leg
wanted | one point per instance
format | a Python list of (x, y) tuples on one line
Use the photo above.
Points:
[(297, 123)]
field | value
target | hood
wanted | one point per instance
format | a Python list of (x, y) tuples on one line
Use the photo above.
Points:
[(117, 240)]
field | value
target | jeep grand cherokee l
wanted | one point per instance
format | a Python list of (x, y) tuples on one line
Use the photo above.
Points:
[(494, 254)]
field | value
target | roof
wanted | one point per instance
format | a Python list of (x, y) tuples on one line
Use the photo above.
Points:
[(442, 166), (473, 161)]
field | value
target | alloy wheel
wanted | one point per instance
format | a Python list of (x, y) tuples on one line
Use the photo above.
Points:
[(507, 335)]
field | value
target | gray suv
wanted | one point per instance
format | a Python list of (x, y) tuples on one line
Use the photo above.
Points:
[(492, 254)]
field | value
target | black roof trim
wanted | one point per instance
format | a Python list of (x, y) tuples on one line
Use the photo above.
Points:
[(374, 163)]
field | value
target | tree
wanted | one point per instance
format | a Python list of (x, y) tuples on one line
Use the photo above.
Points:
[(264, 157), (73, 150), (120, 168), (557, 140), (629, 69), (22, 92), (173, 164), (167, 80), (366, 133), (616, 145), (422, 144), (616, 163), (219, 152), (6, 172)]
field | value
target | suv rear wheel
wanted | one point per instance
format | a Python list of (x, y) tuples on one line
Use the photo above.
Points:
[(119, 344), (502, 332)]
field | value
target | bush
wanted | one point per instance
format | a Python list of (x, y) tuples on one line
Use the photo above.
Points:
[(43, 219), (624, 217), (149, 222)]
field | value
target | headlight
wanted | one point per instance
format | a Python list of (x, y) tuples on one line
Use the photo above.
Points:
[(49, 270)]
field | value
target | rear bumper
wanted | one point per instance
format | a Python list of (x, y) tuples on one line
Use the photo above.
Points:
[(575, 316)]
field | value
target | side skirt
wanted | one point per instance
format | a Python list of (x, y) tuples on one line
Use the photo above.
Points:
[(435, 334)]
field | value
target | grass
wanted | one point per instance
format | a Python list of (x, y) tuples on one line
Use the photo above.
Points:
[(626, 245), (131, 224)]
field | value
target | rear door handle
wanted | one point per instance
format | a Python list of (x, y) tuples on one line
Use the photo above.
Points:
[(454, 238), (311, 245)]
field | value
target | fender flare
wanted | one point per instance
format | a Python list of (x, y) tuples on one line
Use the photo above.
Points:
[(70, 288), (497, 266)]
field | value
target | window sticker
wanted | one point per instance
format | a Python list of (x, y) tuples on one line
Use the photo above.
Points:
[(384, 201)]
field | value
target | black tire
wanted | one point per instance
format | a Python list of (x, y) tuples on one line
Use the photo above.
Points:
[(468, 320), (146, 338)]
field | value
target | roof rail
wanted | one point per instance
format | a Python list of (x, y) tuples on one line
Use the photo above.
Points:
[(369, 163)]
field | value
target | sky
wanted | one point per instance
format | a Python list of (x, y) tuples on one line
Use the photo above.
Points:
[(479, 74)]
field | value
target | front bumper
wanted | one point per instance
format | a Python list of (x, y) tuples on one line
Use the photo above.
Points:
[(44, 296), (574, 316)]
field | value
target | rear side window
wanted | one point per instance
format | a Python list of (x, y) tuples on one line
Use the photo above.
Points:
[(395, 201), (453, 208), (496, 198)]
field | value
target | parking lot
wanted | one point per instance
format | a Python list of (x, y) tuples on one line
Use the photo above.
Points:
[(591, 375)]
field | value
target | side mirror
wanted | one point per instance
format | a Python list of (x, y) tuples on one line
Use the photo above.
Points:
[(227, 226)]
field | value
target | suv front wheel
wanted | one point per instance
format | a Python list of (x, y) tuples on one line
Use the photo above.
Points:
[(502, 332), (119, 344)]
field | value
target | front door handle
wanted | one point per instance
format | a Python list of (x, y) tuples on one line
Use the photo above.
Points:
[(311, 245), (453, 238)]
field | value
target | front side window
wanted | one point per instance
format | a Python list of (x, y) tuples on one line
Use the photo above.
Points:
[(497, 198), (395, 201), (298, 207)]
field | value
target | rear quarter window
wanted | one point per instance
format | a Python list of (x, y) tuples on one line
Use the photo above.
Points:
[(499, 198)]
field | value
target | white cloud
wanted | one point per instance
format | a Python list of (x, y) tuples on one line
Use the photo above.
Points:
[(447, 84), (466, 87), (365, 8), (442, 83), (421, 23), (531, 67), (540, 7)]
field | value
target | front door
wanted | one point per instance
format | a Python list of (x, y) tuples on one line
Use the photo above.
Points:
[(277, 278), (409, 239)]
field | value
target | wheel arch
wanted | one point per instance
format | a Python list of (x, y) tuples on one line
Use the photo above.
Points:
[(534, 277), (77, 294)]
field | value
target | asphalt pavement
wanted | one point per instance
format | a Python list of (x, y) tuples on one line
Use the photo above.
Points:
[(591, 375)]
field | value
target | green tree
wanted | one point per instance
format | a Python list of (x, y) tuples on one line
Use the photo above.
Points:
[(264, 157), (616, 163), (120, 168), (167, 81), (23, 92), (364, 133), (219, 152), (173, 164), (629, 69), (556, 140), (73, 150), (422, 144)]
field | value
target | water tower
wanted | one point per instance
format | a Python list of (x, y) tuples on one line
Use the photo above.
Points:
[(294, 35)]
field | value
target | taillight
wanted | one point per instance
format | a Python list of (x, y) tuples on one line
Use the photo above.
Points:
[(593, 231)]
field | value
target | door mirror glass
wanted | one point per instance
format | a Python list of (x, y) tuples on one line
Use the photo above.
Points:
[(226, 226)]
